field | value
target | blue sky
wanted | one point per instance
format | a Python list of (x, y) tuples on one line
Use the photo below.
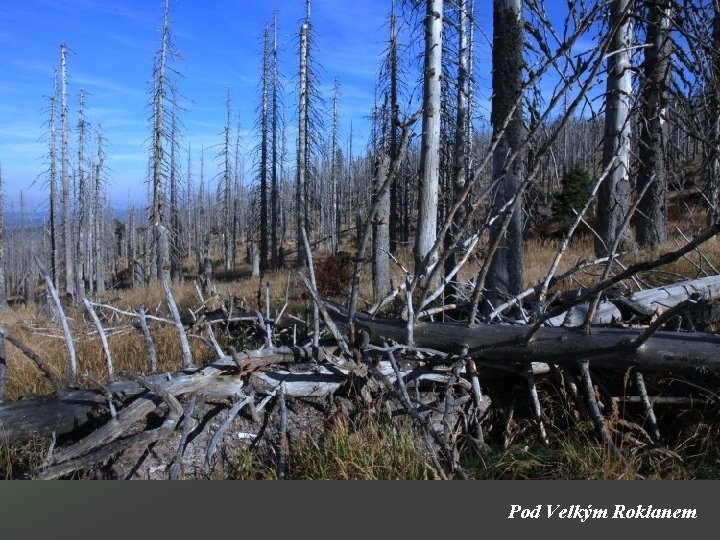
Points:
[(112, 43)]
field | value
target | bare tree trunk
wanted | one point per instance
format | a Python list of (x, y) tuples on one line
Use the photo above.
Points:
[(333, 224), (300, 202), (226, 196), (82, 204), (3, 281), (264, 125), (461, 130), (614, 199), (430, 151), (99, 219), (175, 233), (651, 226), (395, 208), (381, 231), (274, 188), (132, 245), (52, 180), (65, 176), (161, 86), (713, 167), (505, 276)]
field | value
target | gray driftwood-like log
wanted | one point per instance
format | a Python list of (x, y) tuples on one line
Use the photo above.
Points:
[(74, 409), (506, 345), (651, 300)]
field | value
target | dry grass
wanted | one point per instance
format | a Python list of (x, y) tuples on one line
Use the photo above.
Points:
[(17, 459), (372, 450)]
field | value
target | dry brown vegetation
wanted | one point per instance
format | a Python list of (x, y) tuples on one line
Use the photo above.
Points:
[(372, 447)]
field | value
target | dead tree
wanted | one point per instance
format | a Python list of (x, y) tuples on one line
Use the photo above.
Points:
[(392, 72), (614, 200), (65, 177), (506, 271), (82, 204), (430, 145), (162, 91), (275, 165), (651, 225), (713, 88), (55, 234), (335, 167), (225, 194), (381, 229), (173, 185), (264, 125), (302, 146), (98, 216), (462, 127), (3, 277)]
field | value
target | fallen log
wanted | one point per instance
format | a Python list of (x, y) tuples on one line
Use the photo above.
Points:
[(76, 409), (507, 345), (650, 300)]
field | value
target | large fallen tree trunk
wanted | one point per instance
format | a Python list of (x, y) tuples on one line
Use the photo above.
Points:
[(648, 301), (507, 345), (75, 409)]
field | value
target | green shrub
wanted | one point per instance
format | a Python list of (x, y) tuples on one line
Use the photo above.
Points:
[(576, 186)]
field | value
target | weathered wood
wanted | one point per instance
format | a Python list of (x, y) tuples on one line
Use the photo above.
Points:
[(98, 454), (3, 370), (187, 361), (152, 353), (72, 360), (232, 413), (652, 420), (283, 447), (506, 345), (658, 299), (188, 425), (68, 411), (103, 339)]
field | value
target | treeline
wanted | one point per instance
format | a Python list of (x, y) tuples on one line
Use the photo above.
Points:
[(626, 91)]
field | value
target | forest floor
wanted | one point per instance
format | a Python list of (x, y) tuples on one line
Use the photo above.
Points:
[(363, 443)]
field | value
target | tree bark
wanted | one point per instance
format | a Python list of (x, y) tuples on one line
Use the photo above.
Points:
[(301, 187), (65, 177), (614, 200), (3, 280), (264, 141), (274, 181), (651, 225), (505, 346), (430, 145), (381, 232), (713, 164), (461, 132), (395, 208), (505, 276)]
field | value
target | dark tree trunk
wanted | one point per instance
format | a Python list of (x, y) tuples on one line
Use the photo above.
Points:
[(506, 276), (651, 226)]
